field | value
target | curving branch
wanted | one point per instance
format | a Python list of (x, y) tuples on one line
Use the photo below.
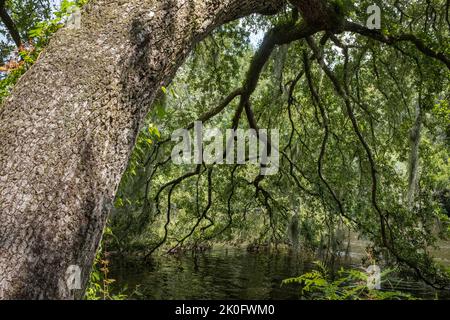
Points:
[(325, 124), (202, 216), (342, 93)]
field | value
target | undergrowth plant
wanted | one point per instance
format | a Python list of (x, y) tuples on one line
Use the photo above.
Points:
[(346, 284)]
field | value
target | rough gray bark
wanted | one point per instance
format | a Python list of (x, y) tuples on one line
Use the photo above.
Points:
[(68, 128)]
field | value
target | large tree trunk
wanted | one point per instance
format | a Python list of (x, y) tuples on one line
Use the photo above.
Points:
[(68, 128)]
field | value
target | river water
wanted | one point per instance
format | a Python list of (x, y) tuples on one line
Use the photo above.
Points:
[(232, 273)]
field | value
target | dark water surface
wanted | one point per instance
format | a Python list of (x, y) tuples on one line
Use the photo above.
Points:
[(228, 274)]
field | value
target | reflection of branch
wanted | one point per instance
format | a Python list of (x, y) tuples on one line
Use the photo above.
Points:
[(392, 39)]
